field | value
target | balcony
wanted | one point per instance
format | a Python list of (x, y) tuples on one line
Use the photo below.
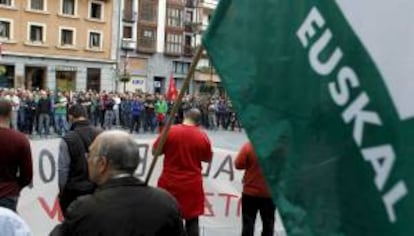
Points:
[(130, 16), (188, 51), (146, 45), (209, 4), (128, 44), (190, 3)]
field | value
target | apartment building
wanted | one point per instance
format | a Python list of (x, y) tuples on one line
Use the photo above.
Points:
[(158, 41), (59, 44), (205, 75)]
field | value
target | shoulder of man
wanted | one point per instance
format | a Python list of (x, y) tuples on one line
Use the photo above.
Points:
[(81, 207)]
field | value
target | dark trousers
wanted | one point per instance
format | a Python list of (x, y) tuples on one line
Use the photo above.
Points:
[(250, 206), (135, 123), (29, 125), (9, 202), (191, 227)]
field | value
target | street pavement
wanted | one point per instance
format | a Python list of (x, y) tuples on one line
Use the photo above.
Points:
[(231, 140)]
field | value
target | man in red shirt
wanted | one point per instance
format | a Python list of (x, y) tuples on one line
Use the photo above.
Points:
[(256, 195), (15, 159), (184, 150)]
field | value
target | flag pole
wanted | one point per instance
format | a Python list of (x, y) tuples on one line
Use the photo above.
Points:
[(174, 110)]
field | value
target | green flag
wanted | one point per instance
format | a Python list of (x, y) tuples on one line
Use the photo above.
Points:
[(323, 89)]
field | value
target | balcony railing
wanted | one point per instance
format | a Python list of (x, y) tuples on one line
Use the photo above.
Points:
[(188, 50), (130, 16), (128, 44), (146, 45), (190, 3)]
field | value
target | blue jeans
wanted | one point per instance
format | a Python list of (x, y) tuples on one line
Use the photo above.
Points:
[(9, 202), (61, 124)]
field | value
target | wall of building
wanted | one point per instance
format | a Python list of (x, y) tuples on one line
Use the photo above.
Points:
[(53, 20), (107, 71)]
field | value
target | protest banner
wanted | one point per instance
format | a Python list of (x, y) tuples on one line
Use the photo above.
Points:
[(39, 206)]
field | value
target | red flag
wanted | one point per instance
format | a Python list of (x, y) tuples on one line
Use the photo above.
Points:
[(172, 90)]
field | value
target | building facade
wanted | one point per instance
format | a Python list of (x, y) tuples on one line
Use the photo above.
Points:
[(59, 44), (158, 41)]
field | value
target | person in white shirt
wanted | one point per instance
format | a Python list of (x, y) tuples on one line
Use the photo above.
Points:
[(12, 224), (15, 100), (117, 101)]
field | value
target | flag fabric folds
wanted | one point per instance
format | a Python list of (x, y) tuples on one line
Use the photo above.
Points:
[(172, 92), (322, 91)]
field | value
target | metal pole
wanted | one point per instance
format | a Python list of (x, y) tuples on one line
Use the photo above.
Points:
[(174, 110)]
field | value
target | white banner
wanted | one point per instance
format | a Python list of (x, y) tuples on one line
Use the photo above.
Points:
[(39, 207)]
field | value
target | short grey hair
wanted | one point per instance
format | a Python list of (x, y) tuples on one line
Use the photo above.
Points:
[(194, 115), (121, 151)]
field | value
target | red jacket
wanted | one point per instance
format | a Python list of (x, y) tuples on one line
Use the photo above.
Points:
[(254, 183), (184, 150)]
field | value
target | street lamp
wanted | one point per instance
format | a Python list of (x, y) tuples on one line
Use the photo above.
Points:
[(125, 77)]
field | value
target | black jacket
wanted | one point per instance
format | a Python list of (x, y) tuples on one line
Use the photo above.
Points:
[(123, 206), (78, 139), (43, 106)]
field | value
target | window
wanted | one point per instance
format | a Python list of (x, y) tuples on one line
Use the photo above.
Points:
[(95, 11), (67, 37), (37, 5), (147, 39), (174, 17), (174, 43), (68, 7), (181, 67), (36, 33), (95, 40), (6, 2), (5, 29), (148, 10), (188, 16), (127, 32)]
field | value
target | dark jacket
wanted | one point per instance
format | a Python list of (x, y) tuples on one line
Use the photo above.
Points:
[(123, 206), (78, 139), (43, 106)]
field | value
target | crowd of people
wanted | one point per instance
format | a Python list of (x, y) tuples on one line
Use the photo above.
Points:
[(97, 186), (44, 113)]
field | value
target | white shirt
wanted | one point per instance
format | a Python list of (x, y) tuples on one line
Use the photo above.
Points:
[(12, 224)]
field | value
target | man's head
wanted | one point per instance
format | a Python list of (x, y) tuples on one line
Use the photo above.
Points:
[(192, 116), (112, 153), (5, 109), (43, 94), (77, 112)]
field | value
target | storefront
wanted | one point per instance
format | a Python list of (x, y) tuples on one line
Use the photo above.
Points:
[(93, 79), (207, 83), (66, 78), (35, 77), (136, 84), (7, 76)]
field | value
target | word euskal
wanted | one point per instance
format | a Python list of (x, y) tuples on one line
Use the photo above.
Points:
[(381, 157)]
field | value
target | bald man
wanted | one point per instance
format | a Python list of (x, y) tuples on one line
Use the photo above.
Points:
[(184, 150), (122, 204)]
